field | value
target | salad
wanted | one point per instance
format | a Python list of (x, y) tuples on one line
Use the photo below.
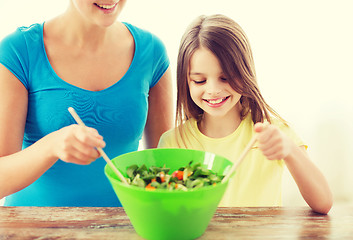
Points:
[(189, 177)]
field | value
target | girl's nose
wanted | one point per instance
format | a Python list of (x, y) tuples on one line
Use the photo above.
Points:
[(213, 88)]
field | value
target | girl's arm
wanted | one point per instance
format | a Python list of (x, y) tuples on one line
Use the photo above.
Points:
[(19, 168), (309, 179), (160, 113)]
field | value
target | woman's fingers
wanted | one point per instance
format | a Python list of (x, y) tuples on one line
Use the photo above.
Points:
[(83, 154), (89, 136), (78, 144)]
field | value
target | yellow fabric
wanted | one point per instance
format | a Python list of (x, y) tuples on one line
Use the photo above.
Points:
[(258, 181)]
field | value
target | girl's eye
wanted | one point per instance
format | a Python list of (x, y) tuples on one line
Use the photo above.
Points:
[(199, 81), (223, 79)]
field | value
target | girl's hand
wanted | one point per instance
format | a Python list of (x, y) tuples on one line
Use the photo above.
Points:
[(311, 182), (272, 141), (77, 144)]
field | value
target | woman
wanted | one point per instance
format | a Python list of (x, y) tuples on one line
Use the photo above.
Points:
[(112, 73)]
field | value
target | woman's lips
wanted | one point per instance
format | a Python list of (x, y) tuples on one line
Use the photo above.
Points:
[(107, 8)]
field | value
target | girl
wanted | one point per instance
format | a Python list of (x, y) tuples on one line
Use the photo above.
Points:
[(113, 73), (218, 104)]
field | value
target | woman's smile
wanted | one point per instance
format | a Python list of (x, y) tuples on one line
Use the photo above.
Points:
[(107, 8)]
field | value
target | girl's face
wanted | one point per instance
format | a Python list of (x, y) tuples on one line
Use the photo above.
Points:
[(208, 86), (101, 12)]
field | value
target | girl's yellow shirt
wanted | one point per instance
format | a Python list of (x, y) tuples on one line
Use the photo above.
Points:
[(258, 181)]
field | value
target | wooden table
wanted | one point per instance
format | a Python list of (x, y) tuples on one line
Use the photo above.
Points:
[(227, 223)]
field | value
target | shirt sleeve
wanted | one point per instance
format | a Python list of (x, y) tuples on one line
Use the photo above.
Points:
[(166, 140), (163, 142), (14, 55), (161, 60)]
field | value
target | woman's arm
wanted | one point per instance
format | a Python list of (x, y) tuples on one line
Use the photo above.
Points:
[(160, 113), (19, 168), (310, 181)]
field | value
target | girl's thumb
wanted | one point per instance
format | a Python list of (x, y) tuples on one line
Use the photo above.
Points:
[(259, 127)]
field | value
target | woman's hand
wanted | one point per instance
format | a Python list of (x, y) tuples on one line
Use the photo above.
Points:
[(272, 141), (77, 144)]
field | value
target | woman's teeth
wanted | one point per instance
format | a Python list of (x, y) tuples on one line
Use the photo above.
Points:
[(106, 6)]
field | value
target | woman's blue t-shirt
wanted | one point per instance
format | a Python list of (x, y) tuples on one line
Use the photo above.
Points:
[(118, 113)]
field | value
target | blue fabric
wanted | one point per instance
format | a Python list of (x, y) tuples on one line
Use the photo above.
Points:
[(118, 113)]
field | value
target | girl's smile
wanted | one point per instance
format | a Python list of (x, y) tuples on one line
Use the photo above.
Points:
[(216, 102), (209, 87)]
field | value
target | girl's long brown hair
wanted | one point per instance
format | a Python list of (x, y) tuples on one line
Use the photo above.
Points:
[(228, 42)]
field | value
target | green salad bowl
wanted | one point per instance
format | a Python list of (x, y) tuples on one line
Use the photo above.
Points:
[(169, 214)]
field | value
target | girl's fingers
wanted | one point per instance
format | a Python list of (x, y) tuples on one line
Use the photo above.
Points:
[(265, 133), (271, 141), (272, 153)]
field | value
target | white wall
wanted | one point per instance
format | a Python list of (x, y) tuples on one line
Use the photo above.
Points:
[(303, 55)]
